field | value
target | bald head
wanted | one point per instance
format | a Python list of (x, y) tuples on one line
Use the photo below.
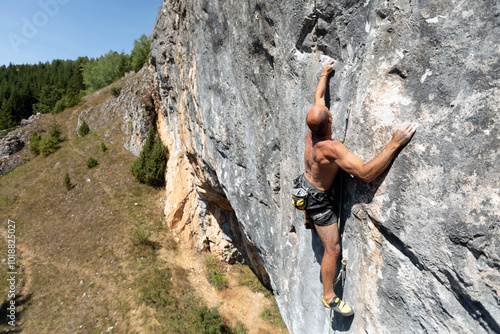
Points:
[(318, 119)]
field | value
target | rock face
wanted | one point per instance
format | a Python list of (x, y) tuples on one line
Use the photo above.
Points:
[(17, 139), (233, 83), (133, 107)]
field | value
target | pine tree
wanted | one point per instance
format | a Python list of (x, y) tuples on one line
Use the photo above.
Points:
[(91, 162), (48, 145), (155, 164), (35, 143), (84, 129), (50, 142), (67, 182), (6, 121), (150, 166), (55, 130)]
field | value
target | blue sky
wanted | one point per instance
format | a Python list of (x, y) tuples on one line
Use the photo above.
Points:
[(43, 30)]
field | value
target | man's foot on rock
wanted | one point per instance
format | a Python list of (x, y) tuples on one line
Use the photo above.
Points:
[(338, 306)]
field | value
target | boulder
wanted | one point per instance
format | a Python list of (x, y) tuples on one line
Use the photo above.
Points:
[(10, 145)]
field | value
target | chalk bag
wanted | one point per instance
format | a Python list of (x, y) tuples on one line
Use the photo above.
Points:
[(299, 198)]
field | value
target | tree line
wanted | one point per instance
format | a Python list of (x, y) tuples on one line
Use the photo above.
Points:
[(60, 84)]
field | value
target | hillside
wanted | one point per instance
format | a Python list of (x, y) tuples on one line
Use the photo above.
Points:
[(98, 257)]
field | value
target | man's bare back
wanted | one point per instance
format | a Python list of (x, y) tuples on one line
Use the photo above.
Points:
[(320, 170)]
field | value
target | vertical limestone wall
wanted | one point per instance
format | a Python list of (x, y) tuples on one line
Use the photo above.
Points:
[(233, 82)]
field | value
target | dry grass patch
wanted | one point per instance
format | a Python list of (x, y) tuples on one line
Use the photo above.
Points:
[(76, 245)]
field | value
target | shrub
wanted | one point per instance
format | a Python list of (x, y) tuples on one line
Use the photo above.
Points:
[(142, 235), (91, 162), (84, 129), (67, 182), (218, 280), (48, 145), (55, 131), (59, 107), (115, 91), (35, 143), (68, 100), (103, 147), (215, 272), (149, 168)]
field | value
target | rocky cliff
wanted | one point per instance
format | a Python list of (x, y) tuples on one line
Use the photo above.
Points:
[(233, 81), (14, 142), (133, 107)]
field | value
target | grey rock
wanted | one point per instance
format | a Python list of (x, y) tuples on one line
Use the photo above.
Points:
[(234, 81), (30, 120), (14, 146), (8, 163), (10, 145), (132, 111)]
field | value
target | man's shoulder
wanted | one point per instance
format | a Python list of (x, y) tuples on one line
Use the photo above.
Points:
[(332, 143), (330, 147)]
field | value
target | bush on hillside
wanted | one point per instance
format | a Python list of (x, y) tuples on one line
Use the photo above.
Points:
[(68, 100), (216, 274), (84, 129), (48, 145), (115, 91), (91, 162), (67, 182), (55, 130), (35, 143), (149, 168), (50, 142)]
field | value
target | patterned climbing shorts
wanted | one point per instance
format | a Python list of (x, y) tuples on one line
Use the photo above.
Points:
[(322, 206)]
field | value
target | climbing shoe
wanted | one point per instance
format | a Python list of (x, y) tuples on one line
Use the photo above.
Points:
[(338, 306)]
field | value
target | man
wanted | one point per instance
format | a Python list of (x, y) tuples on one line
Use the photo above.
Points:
[(323, 157)]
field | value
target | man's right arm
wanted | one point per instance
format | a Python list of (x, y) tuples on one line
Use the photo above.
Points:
[(368, 172)]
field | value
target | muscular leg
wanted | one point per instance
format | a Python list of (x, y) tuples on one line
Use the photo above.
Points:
[(329, 236)]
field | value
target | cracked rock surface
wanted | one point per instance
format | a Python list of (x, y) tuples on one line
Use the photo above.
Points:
[(233, 82)]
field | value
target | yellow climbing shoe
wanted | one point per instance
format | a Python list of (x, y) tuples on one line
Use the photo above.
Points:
[(338, 306)]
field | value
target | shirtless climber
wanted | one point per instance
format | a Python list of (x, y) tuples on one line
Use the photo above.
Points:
[(323, 157)]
